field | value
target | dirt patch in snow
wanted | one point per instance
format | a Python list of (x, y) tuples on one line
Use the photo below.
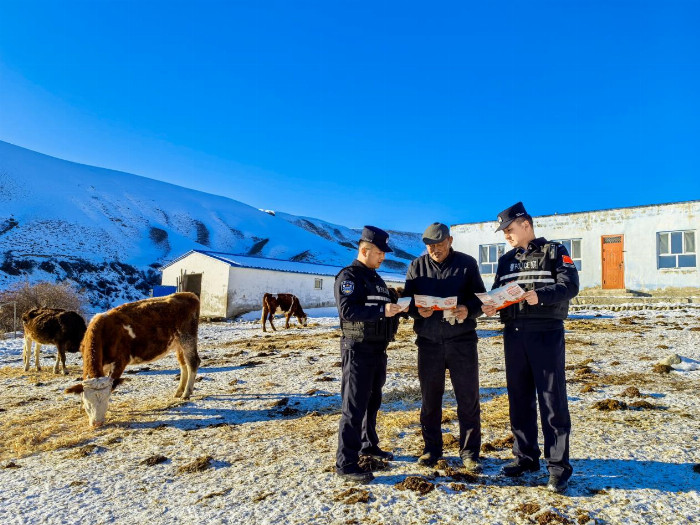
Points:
[(417, 484)]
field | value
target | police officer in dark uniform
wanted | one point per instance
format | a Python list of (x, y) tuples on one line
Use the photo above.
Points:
[(533, 340), (365, 310)]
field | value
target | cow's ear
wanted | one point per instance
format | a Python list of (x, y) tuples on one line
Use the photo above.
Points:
[(75, 389)]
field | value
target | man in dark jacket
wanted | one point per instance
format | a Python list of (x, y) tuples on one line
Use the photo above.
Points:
[(533, 340), (447, 340), (365, 309)]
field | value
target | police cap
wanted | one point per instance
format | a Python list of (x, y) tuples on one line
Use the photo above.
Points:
[(509, 215), (376, 236), (436, 233)]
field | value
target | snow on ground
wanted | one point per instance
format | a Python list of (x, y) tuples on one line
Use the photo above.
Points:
[(266, 412)]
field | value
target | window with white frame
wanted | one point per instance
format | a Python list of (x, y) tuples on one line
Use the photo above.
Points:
[(676, 249), (573, 246), (488, 257), (318, 284)]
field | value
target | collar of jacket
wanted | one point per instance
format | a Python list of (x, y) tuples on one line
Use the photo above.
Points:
[(360, 264), (446, 262), (536, 244), (532, 246)]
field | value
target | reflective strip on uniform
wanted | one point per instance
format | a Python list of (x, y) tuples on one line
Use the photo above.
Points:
[(533, 272), (549, 280), (371, 304), (377, 298)]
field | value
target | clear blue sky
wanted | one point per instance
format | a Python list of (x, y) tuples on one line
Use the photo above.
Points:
[(388, 113)]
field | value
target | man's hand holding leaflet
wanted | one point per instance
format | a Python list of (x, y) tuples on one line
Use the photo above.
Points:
[(404, 303), (504, 296)]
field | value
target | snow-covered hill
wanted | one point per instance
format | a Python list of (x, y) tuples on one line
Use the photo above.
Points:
[(109, 231)]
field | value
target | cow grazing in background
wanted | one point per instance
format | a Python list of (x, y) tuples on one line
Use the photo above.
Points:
[(137, 332), (51, 326), (282, 303)]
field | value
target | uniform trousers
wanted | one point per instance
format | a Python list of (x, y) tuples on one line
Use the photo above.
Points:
[(461, 359), (364, 375), (535, 372)]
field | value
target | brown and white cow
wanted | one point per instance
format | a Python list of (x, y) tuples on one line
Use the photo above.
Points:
[(137, 332), (51, 326), (282, 303)]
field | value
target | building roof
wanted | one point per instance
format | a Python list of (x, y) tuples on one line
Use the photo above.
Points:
[(279, 265), (588, 211)]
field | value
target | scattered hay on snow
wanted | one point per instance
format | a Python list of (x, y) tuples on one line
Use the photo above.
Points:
[(154, 460), (353, 495), (369, 463), (631, 391), (643, 405), (661, 369), (498, 444), (198, 465), (610, 404)]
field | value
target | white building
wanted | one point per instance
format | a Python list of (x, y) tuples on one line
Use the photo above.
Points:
[(229, 285), (637, 248)]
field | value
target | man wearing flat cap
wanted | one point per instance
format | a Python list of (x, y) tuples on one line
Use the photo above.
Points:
[(533, 340), (365, 309), (447, 342)]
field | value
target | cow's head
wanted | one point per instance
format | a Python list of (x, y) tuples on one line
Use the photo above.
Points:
[(303, 319), (73, 346), (95, 393)]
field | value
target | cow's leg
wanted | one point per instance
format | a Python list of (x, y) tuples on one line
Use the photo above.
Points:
[(117, 369), (184, 371), (271, 317), (60, 359), (263, 319), (37, 347), (27, 352), (186, 352)]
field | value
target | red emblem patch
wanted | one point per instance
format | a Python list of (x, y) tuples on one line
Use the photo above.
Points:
[(567, 259)]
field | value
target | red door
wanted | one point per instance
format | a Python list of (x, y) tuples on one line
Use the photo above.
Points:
[(613, 262)]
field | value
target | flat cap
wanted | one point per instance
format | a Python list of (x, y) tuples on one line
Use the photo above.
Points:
[(509, 215), (435, 233), (376, 236)]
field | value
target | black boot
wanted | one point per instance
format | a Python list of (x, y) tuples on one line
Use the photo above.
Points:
[(518, 468), (429, 459), (557, 484), (355, 474), (377, 453)]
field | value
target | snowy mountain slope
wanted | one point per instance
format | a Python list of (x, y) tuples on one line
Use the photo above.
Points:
[(108, 230), (406, 246)]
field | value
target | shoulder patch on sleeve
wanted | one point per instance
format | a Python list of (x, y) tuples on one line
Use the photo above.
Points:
[(347, 287), (567, 260)]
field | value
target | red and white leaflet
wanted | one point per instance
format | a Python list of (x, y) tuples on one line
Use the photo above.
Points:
[(436, 303), (504, 296)]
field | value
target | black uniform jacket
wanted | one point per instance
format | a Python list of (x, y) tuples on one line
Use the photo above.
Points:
[(546, 268), (458, 275), (360, 295)]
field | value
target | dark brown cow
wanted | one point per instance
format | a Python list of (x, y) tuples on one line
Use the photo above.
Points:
[(137, 333), (52, 326), (282, 303)]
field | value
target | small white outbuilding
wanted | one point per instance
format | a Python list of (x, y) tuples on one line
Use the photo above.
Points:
[(638, 248), (229, 285)]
